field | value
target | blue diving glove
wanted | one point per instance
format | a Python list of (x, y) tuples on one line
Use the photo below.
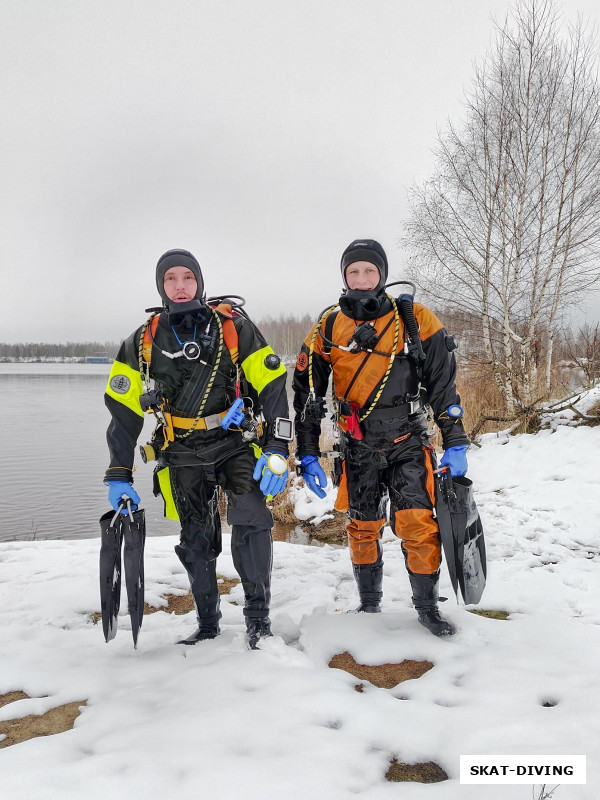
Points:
[(271, 472), (313, 474), (118, 489), (456, 459)]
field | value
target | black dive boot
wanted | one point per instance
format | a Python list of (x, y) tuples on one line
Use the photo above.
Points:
[(202, 575), (251, 550), (256, 612), (256, 629), (202, 633), (208, 626), (369, 580), (425, 595)]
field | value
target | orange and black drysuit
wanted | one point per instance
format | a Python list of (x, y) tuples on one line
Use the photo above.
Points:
[(382, 397), (203, 456)]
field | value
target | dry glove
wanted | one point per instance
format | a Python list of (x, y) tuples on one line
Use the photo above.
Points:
[(271, 471), (313, 475), (119, 489), (456, 459)]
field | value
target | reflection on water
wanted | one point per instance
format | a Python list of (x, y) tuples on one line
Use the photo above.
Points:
[(55, 455)]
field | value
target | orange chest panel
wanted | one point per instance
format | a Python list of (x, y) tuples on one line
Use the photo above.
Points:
[(356, 375)]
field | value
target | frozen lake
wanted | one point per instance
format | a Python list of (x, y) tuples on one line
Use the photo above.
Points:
[(55, 455)]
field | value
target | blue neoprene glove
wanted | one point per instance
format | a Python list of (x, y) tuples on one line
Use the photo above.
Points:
[(313, 474), (116, 490), (271, 472), (456, 459)]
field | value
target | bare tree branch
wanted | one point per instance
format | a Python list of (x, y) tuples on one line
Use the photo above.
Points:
[(508, 225)]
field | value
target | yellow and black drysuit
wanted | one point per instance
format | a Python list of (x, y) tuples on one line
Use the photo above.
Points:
[(379, 396), (203, 456)]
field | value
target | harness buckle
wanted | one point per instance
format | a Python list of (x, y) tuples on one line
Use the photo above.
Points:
[(212, 421), (415, 406)]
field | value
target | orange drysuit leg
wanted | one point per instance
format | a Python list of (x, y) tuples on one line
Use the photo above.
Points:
[(411, 486)]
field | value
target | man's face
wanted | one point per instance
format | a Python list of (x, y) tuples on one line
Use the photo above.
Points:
[(362, 275), (180, 284)]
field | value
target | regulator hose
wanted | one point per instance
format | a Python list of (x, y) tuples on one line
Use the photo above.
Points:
[(415, 346)]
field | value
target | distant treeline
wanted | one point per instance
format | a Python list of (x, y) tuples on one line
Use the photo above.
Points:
[(33, 350), (286, 334)]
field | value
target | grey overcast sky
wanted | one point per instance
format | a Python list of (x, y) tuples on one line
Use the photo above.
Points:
[(262, 135)]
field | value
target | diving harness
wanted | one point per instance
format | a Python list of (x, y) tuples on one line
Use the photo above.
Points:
[(365, 339), (170, 427)]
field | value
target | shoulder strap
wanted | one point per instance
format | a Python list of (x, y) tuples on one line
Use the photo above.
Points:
[(149, 334), (328, 331), (230, 334)]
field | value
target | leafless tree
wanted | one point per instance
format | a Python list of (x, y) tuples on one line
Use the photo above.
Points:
[(286, 333), (508, 226), (584, 350), (545, 793)]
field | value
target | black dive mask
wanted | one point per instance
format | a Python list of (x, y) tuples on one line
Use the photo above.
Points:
[(362, 304), (195, 310)]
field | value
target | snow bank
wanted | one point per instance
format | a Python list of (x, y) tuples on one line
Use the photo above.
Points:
[(167, 721)]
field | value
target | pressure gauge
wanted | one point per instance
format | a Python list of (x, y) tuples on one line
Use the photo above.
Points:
[(277, 464)]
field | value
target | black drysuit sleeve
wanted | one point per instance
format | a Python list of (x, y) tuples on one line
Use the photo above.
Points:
[(308, 429), (439, 381)]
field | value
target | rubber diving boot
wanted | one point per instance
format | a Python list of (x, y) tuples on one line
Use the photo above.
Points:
[(425, 596), (208, 616), (202, 633), (257, 629), (369, 580), (205, 591)]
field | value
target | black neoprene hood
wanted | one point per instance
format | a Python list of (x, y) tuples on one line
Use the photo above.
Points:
[(366, 250), (178, 258)]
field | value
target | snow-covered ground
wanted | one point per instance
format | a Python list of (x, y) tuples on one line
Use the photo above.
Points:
[(218, 720)]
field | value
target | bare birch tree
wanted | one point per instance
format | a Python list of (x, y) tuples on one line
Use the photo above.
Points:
[(583, 349), (508, 226)]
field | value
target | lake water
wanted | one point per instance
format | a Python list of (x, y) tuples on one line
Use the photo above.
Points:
[(55, 454)]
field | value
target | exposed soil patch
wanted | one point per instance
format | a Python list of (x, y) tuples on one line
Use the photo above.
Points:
[(178, 603), (12, 697), (332, 531), (489, 614), (57, 720), (184, 603), (428, 772), (329, 531), (385, 676), (594, 411), (226, 584)]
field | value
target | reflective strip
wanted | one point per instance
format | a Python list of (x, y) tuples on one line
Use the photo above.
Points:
[(257, 373), (125, 386), (164, 481)]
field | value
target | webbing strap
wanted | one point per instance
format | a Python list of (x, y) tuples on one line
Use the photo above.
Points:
[(230, 334)]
